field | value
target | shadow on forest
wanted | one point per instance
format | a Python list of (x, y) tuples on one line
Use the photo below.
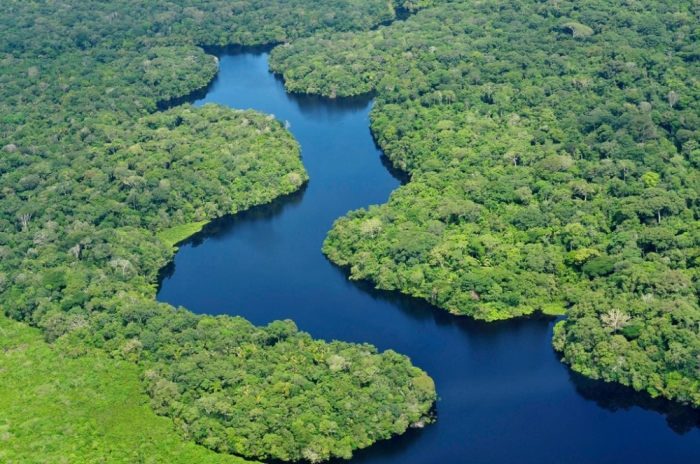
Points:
[(402, 14)]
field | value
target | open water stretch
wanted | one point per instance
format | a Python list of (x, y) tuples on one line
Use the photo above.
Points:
[(504, 395)]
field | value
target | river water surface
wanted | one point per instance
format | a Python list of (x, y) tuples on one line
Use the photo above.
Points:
[(504, 395)]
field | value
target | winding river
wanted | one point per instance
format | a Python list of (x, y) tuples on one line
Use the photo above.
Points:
[(504, 395)]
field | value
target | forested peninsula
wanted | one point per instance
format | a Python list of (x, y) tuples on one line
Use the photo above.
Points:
[(96, 187), (553, 149)]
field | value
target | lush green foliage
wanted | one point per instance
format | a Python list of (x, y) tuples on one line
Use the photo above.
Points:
[(88, 409), (273, 391), (96, 187), (45, 28), (80, 226), (554, 150)]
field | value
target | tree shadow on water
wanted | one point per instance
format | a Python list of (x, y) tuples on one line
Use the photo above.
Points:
[(221, 227), (402, 176), (190, 98), (615, 397), (226, 225), (217, 51), (421, 310), (319, 107), (233, 50), (383, 450)]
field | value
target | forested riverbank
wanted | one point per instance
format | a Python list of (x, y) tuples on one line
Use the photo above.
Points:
[(93, 175), (553, 154)]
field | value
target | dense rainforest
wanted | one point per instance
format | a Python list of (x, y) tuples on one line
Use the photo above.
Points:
[(553, 149), (96, 186)]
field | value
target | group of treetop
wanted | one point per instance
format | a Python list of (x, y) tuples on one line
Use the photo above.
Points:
[(553, 149)]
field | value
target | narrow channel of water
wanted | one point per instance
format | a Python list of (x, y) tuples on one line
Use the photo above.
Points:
[(505, 397)]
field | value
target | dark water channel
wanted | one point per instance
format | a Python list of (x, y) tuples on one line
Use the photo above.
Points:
[(505, 397)]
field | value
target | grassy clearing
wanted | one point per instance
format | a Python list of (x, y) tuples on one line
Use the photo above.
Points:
[(554, 309), (56, 409), (179, 233)]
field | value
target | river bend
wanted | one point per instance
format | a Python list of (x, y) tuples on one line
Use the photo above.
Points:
[(504, 395)]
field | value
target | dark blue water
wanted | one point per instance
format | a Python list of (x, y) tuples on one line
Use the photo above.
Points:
[(504, 395)]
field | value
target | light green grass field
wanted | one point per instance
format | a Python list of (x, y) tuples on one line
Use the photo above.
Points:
[(177, 234), (91, 409)]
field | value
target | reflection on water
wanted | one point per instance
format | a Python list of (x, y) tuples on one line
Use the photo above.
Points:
[(615, 397), (504, 395), (310, 105), (225, 225), (421, 310), (398, 174)]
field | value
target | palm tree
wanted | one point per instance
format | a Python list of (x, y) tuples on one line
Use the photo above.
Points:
[(615, 319)]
